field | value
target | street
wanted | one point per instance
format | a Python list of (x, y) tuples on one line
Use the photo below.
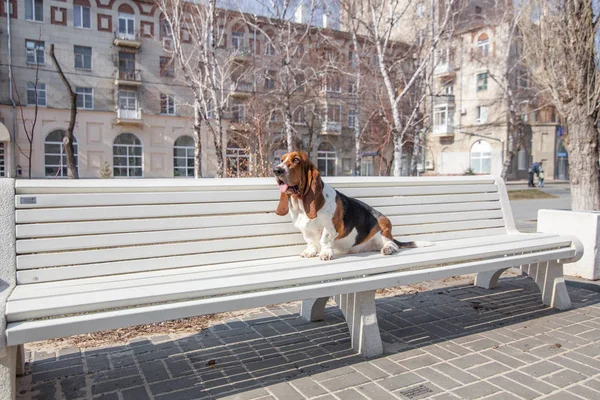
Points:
[(525, 211)]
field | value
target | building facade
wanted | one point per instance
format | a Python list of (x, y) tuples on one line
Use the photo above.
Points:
[(134, 109)]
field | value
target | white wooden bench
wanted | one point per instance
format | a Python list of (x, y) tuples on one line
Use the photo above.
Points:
[(92, 255)]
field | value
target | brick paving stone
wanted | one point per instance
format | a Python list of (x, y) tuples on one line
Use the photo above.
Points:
[(138, 393), (469, 361), (350, 394), (370, 371), (541, 368), (285, 391), (390, 367), (564, 378), (587, 369), (515, 388), (308, 387), (564, 395), (455, 373), (374, 392), (476, 390), (400, 381), (438, 378), (345, 381), (247, 395), (584, 392), (488, 370)]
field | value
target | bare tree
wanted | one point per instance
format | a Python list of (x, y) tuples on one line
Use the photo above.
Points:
[(72, 172), (559, 44), (380, 19), (198, 43)]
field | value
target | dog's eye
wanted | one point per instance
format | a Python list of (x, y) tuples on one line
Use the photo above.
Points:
[(296, 160)]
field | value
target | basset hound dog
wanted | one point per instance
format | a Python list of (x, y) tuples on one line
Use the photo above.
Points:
[(330, 221)]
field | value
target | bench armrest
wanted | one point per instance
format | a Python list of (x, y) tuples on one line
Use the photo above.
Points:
[(8, 266)]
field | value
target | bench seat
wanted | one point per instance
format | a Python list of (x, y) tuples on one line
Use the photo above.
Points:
[(30, 306)]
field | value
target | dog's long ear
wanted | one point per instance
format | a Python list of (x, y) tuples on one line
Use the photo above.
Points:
[(313, 198), (284, 204)]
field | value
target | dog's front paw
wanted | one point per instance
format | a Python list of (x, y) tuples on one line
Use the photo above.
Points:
[(389, 249), (309, 252), (326, 254)]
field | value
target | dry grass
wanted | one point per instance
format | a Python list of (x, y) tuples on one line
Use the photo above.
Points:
[(528, 194)]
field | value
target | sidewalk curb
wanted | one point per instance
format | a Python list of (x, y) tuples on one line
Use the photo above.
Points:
[(582, 283)]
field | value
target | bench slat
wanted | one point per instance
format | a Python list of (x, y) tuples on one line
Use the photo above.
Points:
[(30, 331), (129, 239), (117, 199), (164, 263), (199, 270), (312, 271), (446, 203), (44, 186)]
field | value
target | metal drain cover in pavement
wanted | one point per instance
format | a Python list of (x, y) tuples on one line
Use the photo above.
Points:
[(416, 391)]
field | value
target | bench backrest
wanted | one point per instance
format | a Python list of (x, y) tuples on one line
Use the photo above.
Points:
[(90, 228)]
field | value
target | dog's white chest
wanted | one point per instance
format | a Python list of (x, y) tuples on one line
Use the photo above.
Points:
[(314, 227)]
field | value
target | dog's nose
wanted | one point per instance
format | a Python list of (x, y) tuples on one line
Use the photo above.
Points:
[(278, 170)]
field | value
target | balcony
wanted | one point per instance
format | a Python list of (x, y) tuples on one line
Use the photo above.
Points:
[(445, 70), (241, 89), (444, 99), (332, 128), (242, 54), (443, 130), (128, 77), (125, 39), (129, 117)]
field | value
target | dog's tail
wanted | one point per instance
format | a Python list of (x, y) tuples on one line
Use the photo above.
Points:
[(412, 245)]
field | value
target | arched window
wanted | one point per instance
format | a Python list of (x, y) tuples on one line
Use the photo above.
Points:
[(481, 157), (326, 159), (55, 158), (483, 45), (127, 156), (238, 37), (126, 27), (183, 157), (269, 48), (238, 160)]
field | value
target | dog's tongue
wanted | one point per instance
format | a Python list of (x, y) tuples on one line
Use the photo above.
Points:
[(283, 187)]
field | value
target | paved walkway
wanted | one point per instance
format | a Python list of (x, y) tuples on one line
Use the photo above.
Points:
[(452, 343)]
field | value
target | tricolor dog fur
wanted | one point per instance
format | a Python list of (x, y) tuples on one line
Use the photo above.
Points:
[(330, 222)]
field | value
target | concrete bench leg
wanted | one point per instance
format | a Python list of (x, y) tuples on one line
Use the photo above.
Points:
[(313, 309), (488, 279), (8, 371), (550, 280), (361, 317)]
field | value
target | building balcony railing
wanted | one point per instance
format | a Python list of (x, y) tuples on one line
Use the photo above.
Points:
[(444, 99), (128, 77), (126, 39), (241, 89), (126, 116), (443, 130), (241, 54), (332, 128), (442, 70)]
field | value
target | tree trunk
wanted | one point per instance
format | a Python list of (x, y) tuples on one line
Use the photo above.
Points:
[(197, 141), (72, 172), (289, 130), (582, 145), (515, 137)]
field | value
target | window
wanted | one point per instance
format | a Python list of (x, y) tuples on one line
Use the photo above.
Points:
[(85, 98), (269, 48), (522, 159), (237, 40), (420, 10), (299, 115), (82, 17), (326, 158), (274, 115), (127, 26), (352, 87), (300, 82), (351, 118), (481, 157), (128, 104), (238, 160), (167, 104), (270, 80), (449, 89), (34, 10), (353, 59), (334, 113), (523, 80), (36, 95), (421, 38), (183, 157), (55, 157), (2, 160), (127, 156), (165, 29), (483, 45), (83, 57), (238, 111), (482, 81), (482, 114), (334, 84), (366, 166), (167, 68), (34, 50), (443, 116)]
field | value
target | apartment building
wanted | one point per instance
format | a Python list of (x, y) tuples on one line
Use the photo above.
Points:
[(469, 131), (134, 113)]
